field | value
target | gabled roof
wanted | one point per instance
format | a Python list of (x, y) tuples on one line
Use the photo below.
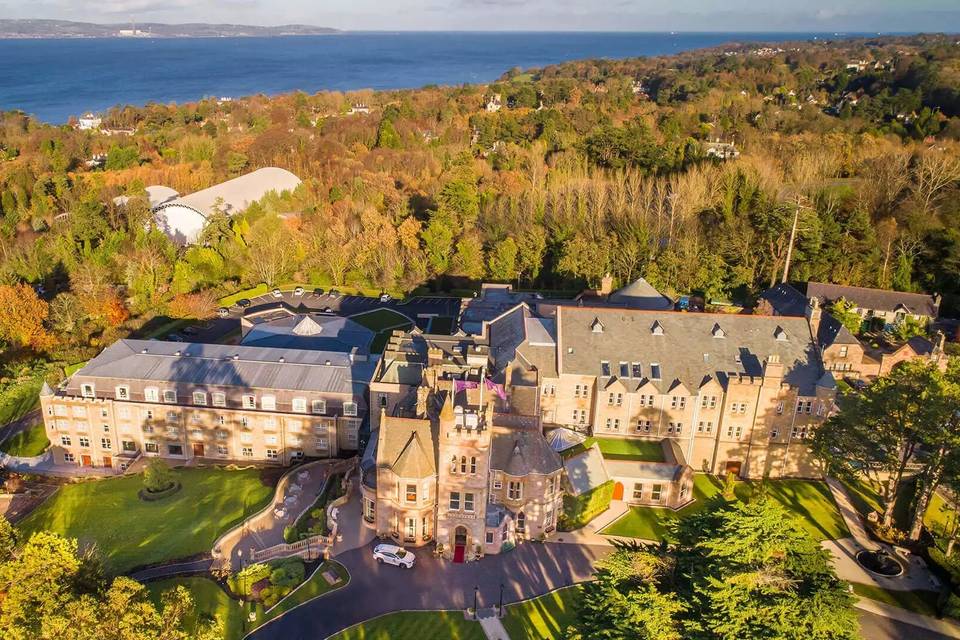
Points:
[(879, 299), (832, 331), (414, 461), (687, 351), (407, 447), (785, 300), (585, 471)]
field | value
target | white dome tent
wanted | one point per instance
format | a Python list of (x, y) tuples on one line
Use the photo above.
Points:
[(183, 219)]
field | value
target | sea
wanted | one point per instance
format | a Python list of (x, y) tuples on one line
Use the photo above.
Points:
[(53, 79)]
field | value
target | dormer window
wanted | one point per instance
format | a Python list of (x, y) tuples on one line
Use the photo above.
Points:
[(596, 326), (605, 368), (657, 328), (123, 392), (780, 334), (87, 390), (718, 331), (654, 371)]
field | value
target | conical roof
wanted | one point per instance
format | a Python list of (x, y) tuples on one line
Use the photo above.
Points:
[(414, 461), (640, 294), (307, 327)]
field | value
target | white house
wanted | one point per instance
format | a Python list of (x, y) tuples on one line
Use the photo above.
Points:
[(89, 122), (182, 219)]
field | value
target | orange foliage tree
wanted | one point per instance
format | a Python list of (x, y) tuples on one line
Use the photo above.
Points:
[(22, 317)]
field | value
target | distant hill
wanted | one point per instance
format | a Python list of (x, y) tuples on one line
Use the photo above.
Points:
[(67, 29)]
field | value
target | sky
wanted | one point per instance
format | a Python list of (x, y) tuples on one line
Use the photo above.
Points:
[(601, 15)]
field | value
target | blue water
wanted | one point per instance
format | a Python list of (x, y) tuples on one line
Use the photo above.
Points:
[(54, 79)]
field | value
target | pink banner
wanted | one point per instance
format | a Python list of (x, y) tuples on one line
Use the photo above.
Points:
[(462, 385), (495, 387)]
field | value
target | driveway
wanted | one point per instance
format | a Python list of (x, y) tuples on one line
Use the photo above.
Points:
[(530, 570)]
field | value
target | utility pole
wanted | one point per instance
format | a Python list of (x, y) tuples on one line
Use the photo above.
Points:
[(793, 236)]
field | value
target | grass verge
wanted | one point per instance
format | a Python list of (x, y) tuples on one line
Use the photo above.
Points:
[(543, 618), (922, 602), (415, 625), (30, 442)]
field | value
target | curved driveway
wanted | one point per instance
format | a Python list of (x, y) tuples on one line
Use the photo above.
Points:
[(530, 570)]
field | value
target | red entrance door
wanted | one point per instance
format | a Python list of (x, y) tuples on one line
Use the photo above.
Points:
[(459, 544), (86, 460), (107, 461), (459, 551), (197, 449), (618, 491)]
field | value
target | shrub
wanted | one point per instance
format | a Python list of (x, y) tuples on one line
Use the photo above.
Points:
[(241, 583), (579, 510), (157, 476)]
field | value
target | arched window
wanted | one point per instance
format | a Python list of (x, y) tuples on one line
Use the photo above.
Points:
[(453, 464), (473, 464), (521, 522), (463, 464)]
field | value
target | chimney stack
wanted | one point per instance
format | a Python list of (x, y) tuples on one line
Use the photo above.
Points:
[(814, 314)]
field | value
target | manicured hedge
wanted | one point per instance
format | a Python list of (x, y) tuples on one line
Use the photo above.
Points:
[(579, 510)]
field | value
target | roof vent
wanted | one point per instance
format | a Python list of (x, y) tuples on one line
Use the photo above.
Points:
[(718, 331), (596, 326), (657, 328), (177, 352), (326, 362), (144, 350), (780, 334), (282, 359), (236, 356)]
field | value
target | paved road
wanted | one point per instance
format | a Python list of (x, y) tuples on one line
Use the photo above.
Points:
[(529, 570), (874, 627), (350, 305), (20, 424), (165, 571)]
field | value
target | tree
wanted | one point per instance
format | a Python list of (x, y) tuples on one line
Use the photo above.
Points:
[(842, 310), (157, 476), (502, 260), (22, 317)]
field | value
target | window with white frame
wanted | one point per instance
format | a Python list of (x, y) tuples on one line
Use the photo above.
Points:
[(123, 392), (468, 502), (199, 398), (169, 396), (246, 452), (798, 432), (322, 443), (638, 491), (83, 442), (319, 406), (151, 394), (644, 425), (779, 408), (272, 454), (248, 401), (246, 437), (68, 457), (61, 410), (105, 443), (654, 370), (222, 434), (656, 491), (843, 351), (350, 408), (219, 399), (454, 503), (65, 441), (636, 371), (268, 402), (269, 424), (87, 390), (498, 480), (514, 490), (270, 439), (299, 405), (222, 450), (774, 433)]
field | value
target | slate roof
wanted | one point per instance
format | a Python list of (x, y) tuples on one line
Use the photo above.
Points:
[(520, 452), (662, 471), (879, 299), (309, 331), (520, 335), (585, 471), (832, 331), (408, 447), (640, 294), (227, 365), (785, 300), (688, 351)]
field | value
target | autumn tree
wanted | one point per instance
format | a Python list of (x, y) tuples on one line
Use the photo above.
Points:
[(22, 317)]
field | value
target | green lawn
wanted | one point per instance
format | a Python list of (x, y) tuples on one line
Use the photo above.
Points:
[(209, 600), (810, 501), (543, 618), (27, 443), (622, 449), (922, 602), (380, 319), (130, 532), (441, 325), (71, 369), (866, 499), (315, 586), (19, 399), (415, 625)]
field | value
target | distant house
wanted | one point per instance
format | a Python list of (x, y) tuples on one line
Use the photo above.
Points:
[(89, 122), (359, 107), (721, 150), (878, 305), (494, 103), (856, 65), (183, 219)]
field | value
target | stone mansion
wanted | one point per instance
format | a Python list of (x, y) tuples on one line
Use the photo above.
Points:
[(460, 449)]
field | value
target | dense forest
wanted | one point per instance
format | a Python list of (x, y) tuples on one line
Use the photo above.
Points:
[(576, 170)]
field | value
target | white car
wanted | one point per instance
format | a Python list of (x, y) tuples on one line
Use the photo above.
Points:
[(385, 297), (298, 291), (392, 554), (277, 293)]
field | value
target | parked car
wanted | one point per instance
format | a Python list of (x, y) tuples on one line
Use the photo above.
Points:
[(318, 292), (190, 331), (277, 293), (174, 337), (298, 291), (327, 310), (385, 297), (392, 554), (334, 293), (243, 303), (223, 312)]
